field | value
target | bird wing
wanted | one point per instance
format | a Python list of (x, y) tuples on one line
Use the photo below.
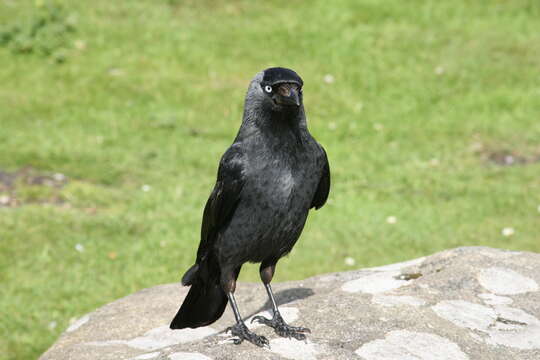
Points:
[(323, 189), (223, 199)]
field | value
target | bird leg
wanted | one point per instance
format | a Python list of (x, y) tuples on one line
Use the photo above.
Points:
[(277, 323), (240, 329)]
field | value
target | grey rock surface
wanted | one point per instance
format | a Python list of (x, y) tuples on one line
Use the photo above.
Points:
[(467, 303)]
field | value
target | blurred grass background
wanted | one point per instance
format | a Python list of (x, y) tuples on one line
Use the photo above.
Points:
[(114, 114)]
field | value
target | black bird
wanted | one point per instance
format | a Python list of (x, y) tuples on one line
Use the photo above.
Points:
[(267, 181)]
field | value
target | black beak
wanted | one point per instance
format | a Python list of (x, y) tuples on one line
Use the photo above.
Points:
[(293, 99)]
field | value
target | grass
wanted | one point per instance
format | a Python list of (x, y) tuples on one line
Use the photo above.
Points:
[(427, 97)]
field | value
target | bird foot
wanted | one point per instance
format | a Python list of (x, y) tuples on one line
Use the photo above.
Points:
[(241, 331), (281, 328)]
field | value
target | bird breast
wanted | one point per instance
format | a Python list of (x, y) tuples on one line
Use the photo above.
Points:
[(280, 179), (274, 184)]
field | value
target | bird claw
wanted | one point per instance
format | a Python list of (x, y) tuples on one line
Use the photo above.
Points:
[(292, 331), (282, 328), (242, 333), (261, 320)]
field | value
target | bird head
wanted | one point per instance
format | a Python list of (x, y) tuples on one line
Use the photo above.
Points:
[(277, 89)]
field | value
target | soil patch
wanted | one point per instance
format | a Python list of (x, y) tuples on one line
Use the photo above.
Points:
[(510, 158), (28, 185)]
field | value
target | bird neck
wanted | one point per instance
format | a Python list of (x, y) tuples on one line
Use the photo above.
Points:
[(281, 127)]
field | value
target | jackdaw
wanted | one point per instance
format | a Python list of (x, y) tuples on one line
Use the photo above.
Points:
[(267, 181)]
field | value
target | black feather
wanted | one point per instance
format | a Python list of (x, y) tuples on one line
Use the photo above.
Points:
[(323, 188), (203, 305)]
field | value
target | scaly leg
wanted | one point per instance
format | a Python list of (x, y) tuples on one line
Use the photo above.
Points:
[(240, 329), (277, 323)]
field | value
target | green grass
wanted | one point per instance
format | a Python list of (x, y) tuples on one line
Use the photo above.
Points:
[(151, 93)]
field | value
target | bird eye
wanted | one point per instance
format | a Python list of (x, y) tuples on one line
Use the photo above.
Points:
[(268, 88)]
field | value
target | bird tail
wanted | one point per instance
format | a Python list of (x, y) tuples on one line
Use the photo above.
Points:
[(204, 303)]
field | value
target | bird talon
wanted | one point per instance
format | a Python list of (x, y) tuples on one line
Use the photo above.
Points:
[(287, 331), (300, 329), (242, 333), (260, 319)]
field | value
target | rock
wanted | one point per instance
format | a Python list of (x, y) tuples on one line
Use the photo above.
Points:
[(469, 303)]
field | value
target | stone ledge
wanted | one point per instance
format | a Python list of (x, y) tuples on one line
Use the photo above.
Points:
[(466, 303)]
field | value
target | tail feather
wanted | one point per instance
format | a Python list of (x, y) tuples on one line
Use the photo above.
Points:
[(203, 305), (189, 276)]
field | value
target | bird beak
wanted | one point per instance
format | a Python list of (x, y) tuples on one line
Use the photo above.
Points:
[(292, 99)]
